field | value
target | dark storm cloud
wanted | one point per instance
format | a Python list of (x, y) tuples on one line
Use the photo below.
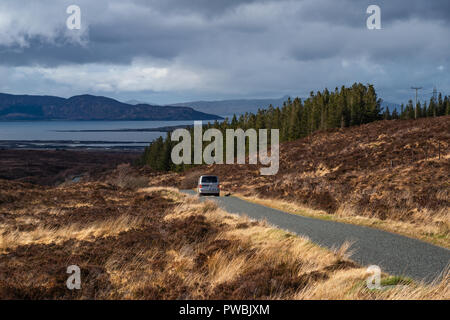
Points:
[(348, 12), (107, 44), (230, 47), (417, 9), (161, 31), (205, 7)]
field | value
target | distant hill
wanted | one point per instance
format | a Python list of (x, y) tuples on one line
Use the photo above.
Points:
[(88, 107), (135, 102), (230, 107)]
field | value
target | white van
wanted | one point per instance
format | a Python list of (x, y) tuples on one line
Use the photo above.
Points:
[(208, 185)]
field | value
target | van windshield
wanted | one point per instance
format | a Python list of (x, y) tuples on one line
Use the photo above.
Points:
[(209, 179)]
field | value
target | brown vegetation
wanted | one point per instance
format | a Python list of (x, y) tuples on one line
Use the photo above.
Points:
[(388, 173), (52, 167), (156, 243)]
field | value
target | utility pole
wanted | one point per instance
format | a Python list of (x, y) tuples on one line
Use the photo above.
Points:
[(415, 109)]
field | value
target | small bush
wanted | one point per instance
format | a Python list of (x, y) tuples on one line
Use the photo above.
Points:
[(127, 179)]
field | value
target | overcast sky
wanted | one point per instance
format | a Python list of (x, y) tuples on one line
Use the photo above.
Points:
[(167, 51)]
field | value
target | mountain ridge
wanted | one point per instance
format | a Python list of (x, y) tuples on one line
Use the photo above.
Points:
[(90, 107)]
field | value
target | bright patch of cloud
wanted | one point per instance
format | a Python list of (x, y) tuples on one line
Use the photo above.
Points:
[(113, 78)]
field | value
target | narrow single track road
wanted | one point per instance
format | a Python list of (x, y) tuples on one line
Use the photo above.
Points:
[(393, 253)]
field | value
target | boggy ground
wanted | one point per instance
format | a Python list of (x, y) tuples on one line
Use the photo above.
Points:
[(156, 243), (53, 167), (385, 174)]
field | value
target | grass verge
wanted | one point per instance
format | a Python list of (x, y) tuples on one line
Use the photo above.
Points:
[(429, 233)]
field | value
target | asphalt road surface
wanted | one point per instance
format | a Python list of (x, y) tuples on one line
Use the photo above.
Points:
[(394, 254)]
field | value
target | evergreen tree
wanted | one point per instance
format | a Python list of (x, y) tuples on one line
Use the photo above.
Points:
[(395, 115), (440, 106), (387, 114), (341, 108)]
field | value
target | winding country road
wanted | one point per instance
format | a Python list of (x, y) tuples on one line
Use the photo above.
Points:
[(395, 254)]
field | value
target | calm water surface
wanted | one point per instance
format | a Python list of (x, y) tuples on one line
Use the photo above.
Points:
[(51, 130)]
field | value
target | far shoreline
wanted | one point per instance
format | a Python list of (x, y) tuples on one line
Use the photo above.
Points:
[(158, 129), (74, 145)]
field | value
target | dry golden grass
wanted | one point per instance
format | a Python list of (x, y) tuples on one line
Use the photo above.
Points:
[(172, 246), (255, 246), (437, 232), (347, 281), (168, 192), (10, 239)]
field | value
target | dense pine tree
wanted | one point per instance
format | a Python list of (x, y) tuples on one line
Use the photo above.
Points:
[(341, 108)]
